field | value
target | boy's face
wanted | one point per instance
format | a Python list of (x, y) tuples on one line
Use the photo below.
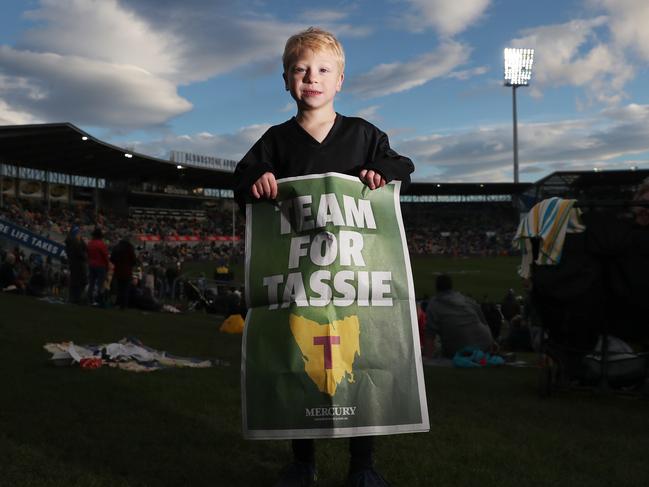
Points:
[(313, 78)]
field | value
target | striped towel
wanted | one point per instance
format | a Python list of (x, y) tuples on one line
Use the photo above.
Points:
[(549, 221)]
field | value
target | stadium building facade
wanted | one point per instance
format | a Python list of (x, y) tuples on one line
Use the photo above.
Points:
[(59, 164)]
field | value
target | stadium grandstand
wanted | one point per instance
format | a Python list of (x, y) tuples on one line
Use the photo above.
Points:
[(179, 210)]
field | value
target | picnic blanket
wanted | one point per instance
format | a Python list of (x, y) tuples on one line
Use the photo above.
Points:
[(128, 354)]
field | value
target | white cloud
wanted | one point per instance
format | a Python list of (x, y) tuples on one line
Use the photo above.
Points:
[(468, 73), (10, 116), (69, 88), (224, 38), (632, 112), (370, 113), (348, 30), (182, 45), (386, 79), (485, 154), (93, 62), (315, 16), (119, 63), (628, 23), (102, 30), (571, 54), (228, 146), (446, 17), (236, 43)]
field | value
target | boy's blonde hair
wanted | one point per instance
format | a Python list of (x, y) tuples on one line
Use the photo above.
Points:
[(315, 39)]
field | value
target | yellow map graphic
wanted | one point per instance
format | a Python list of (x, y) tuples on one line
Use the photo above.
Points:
[(328, 350)]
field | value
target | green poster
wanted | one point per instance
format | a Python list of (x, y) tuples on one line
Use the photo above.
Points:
[(331, 343)]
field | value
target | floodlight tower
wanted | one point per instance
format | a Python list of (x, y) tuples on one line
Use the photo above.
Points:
[(518, 71)]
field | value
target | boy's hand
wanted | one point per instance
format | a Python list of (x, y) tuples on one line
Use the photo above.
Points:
[(372, 179), (265, 186)]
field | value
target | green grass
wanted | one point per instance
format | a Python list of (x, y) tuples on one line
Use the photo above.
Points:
[(71, 427), (476, 276)]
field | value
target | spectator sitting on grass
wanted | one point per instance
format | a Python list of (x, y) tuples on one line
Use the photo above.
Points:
[(518, 338), (37, 284), (457, 319), (141, 297)]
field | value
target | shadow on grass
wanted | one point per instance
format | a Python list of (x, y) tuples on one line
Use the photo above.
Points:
[(67, 426), (181, 427), (167, 430)]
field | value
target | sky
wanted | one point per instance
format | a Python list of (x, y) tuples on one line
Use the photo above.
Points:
[(205, 76)]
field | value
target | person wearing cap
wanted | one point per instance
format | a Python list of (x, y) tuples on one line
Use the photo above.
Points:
[(75, 248)]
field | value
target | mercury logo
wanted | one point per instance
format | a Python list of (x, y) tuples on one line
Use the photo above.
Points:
[(331, 412)]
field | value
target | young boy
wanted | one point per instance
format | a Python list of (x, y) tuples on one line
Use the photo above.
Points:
[(319, 140)]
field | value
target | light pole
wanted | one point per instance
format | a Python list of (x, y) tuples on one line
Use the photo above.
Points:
[(518, 71)]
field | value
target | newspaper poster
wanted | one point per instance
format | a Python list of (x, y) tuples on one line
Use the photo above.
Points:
[(331, 344)]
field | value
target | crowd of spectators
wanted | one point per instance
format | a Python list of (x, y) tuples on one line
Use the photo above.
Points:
[(444, 229), (161, 245), (460, 230), (30, 274), (159, 260), (210, 222), (451, 321), (54, 222)]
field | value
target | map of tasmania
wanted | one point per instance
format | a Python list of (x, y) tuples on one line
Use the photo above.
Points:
[(328, 350)]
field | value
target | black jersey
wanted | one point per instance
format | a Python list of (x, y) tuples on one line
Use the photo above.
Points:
[(351, 145)]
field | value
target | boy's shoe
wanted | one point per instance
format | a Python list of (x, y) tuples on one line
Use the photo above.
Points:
[(366, 477), (298, 474)]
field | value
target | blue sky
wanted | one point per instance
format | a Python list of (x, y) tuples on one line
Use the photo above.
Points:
[(205, 76)]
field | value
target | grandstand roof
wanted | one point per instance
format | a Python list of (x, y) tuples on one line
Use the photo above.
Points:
[(590, 185), (60, 147), (589, 179), (467, 188), (65, 148)]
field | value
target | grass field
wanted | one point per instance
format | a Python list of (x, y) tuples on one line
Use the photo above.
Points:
[(70, 427)]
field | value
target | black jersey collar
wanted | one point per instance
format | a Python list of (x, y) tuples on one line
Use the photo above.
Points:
[(307, 136)]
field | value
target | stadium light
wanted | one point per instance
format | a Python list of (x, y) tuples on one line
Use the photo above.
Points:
[(518, 72), (179, 167), (128, 155), (84, 138)]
